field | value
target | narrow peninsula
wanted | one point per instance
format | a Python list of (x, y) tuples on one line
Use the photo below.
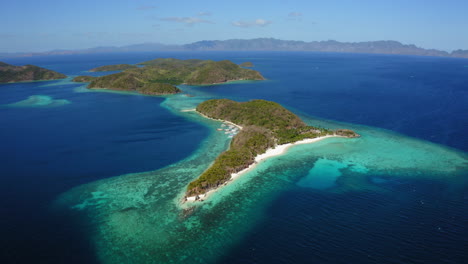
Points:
[(11, 73), (264, 126), (160, 76)]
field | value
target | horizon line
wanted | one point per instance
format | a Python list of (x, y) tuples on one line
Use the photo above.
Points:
[(181, 45)]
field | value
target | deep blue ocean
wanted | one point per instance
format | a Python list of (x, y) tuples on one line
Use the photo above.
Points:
[(46, 151)]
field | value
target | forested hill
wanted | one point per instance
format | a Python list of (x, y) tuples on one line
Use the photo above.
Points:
[(11, 73), (160, 76), (264, 124)]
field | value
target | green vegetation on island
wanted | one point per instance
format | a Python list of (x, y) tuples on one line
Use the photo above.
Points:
[(117, 67), (246, 64), (160, 76), (200, 72), (134, 80), (346, 133), (83, 78), (10, 73), (264, 124)]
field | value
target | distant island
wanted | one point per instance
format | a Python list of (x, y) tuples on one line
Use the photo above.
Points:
[(199, 72), (117, 67), (160, 76), (460, 53), (11, 73), (266, 44), (271, 44), (263, 126)]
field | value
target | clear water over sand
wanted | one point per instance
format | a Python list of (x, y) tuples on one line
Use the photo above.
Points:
[(140, 218), (40, 101), (335, 201)]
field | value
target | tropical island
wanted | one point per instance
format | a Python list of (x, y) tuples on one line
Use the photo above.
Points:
[(117, 67), (11, 73), (264, 126), (160, 76)]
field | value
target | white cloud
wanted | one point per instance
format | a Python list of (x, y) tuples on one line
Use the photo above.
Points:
[(241, 24), (186, 20), (204, 14), (295, 14), (262, 22), (257, 22)]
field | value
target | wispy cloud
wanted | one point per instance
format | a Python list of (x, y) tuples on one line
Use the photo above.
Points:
[(257, 22), (146, 7), (204, 14), (189, 21), (295, 14), (152, 17)]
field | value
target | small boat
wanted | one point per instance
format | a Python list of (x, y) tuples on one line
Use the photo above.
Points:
[(219, 129)]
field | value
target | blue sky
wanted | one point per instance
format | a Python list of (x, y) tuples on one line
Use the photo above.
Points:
[(32, 25)]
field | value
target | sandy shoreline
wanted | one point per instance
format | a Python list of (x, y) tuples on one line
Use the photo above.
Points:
[(272, 152), (278, 150), (220, 120), (189, 110)]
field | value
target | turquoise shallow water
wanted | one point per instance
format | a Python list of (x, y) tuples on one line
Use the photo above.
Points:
[(323, 175), (40, 101), (382, 198), (138, 218)]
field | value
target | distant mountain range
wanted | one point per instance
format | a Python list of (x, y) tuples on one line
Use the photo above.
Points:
[(265, 44)]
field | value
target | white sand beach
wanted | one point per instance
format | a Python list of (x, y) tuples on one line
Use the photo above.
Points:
[(272, 152)]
